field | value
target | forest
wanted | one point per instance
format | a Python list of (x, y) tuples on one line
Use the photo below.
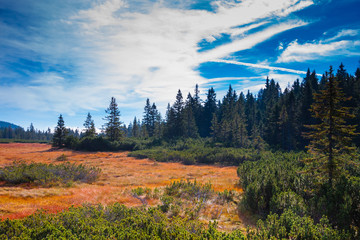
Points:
[(297, 152)]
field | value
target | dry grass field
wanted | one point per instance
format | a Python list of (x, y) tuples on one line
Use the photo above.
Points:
[(120, 174)]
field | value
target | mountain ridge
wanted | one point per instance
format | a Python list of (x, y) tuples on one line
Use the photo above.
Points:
[(4, 124)]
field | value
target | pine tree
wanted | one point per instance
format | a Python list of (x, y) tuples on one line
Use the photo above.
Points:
[(331, 138), (147, 119), (190, 128), (178, 107), (31, 131), (113, 125), (59, 133), (89, 125), (210, 108), (135, 130), (215, 128)]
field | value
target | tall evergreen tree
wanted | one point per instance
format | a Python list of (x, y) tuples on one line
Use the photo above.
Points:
[(190, 128), (59, 133), (113, 124), (89, 125), (210, 108), (148, 119), (32, 132), (331, 138), (175, 118), (135, 130)]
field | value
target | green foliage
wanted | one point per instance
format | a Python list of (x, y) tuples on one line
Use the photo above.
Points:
[(163, 222), (48, 174), (192, 151), (189, 190), (100, 143), (89, 125), (60, 133), (331, 138), (113, 125), (113, 222), (276, 183), (61, 158), (291, 226), (14, 140)]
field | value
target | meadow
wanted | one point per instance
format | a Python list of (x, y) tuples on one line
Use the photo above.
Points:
[(120, 178)]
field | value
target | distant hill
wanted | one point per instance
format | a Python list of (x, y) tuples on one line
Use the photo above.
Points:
[(7, 124)]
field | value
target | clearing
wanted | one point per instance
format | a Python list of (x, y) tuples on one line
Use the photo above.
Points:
[(120, 174)]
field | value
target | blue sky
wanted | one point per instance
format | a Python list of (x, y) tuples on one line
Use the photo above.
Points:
[(71, 57)]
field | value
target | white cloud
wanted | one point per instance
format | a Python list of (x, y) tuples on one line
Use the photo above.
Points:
[(296, 52), (252, 65), (115, 50), (340, 44), (344, 33), (166, 39)]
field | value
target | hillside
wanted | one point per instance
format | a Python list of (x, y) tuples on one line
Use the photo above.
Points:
[(4, 124)]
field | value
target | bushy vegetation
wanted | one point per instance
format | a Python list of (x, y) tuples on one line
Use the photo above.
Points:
[(111, 222), (100, 143), (48, 174), (176, 218), (190, 151), (279, 183), (14, 140), (292, 226)]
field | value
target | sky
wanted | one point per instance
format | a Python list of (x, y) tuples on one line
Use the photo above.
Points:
[(70, 57)]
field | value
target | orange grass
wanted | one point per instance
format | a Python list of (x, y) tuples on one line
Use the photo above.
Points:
[(120, 173)]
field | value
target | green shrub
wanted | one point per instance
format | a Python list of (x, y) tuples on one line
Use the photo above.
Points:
[(291, 226), (191, 151), (113, 222), (189, 190), (61, 158), (48, 174)]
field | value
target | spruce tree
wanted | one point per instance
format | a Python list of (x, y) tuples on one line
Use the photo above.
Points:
[(89, 125), (148, 119), (190, 128), (331, 138), (113, 125), (59, 133), (210, 108), (135, 130)]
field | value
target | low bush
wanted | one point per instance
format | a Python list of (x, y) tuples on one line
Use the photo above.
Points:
[(198, 151), (111, 222), (291, 226), (48, 174), (277, 183), (100, 143)]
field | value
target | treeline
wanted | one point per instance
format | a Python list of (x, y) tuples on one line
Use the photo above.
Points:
[(275, 117), (272, 117), (11, 132)]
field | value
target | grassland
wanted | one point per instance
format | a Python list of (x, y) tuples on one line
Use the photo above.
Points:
[(120, 174)]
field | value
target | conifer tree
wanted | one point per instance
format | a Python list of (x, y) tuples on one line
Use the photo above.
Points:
[(177, 116), (148, 119), (215, 129), (59, 133), (190, 128), (135, 130), (113, 124), (89, 125), (210, 109), (31, 131), (331, 138)]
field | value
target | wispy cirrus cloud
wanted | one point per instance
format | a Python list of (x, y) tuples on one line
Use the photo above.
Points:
[(133, 44), (330, 47), (261, 66), (112, 48)]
